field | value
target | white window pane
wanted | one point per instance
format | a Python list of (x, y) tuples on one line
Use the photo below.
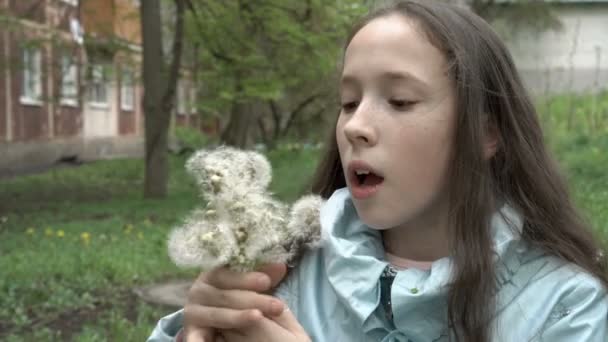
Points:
[(126, 91), (32, 74), (98, 88), (69, 79)]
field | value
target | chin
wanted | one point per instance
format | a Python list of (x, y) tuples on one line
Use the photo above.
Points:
[(376, 221)]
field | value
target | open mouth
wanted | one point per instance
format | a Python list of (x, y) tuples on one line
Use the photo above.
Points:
[(367, 178), (364, 182)]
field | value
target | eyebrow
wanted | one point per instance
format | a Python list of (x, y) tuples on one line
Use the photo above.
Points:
[(388, 75)]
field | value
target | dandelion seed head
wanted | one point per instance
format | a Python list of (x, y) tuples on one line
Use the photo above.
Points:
[(241, 226)]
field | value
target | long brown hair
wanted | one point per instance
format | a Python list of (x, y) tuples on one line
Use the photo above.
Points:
[(489, 93)]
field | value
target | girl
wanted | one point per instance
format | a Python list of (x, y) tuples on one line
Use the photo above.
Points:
[(447, 220)]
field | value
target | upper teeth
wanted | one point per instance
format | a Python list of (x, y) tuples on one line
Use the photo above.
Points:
[(362, 172)]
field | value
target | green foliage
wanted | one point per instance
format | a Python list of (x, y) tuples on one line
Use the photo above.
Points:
[(577, 130), (266, 50), (192, 138)]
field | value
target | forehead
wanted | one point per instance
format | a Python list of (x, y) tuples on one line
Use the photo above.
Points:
[(394, 44)]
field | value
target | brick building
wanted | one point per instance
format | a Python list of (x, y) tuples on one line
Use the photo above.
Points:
[(65, 95)]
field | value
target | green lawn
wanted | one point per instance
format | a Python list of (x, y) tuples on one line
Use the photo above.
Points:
[(75, 241)]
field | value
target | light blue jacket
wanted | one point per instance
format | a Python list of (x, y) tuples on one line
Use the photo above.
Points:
[(335, 290)]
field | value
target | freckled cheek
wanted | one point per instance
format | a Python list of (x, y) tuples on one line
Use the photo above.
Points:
[(423, 158)]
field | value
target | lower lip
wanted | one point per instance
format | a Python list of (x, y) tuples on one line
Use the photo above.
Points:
[(365, 191)]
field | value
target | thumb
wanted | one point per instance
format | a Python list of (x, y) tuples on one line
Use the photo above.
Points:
[(289, 322), (275, 271)]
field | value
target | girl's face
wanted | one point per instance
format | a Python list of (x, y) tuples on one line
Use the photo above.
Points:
[(397, 123)]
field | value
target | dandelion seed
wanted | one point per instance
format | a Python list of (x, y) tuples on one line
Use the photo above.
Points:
[(208, 236)]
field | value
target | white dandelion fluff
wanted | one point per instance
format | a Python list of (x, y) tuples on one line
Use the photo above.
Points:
[(241, 226)]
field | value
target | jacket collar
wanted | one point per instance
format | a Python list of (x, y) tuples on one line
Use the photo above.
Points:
[(354, 261)]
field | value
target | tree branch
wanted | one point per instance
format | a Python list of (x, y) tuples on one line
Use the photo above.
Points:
[(299, 108)]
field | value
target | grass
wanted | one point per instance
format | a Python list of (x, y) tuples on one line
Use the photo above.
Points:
[(75, 241)]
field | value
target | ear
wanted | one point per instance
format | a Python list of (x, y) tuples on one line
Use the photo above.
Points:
[(490, 140)]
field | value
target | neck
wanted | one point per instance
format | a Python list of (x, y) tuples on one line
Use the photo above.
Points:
[(425, 239)]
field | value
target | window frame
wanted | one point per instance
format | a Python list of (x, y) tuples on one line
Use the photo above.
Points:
[(31, 76), (69, 61), (98, 78), (130, 88)]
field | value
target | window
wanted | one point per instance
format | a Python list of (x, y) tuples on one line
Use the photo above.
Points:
[(127, 94), (31, 83), (71, 2), (98, 91), (69, 81)]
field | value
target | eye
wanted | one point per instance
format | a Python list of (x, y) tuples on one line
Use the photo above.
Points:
[(401, 104), (350, 106)]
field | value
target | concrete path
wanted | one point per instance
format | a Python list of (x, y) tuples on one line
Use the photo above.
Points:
[(171, 293)]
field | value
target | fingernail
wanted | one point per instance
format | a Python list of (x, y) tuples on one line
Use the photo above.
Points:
[(277, 307), (263, 281)]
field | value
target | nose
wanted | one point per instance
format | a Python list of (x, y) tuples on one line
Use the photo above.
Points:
[(359, 128)]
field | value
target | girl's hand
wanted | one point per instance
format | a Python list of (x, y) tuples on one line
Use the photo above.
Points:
[(224, 299), (283, 328)]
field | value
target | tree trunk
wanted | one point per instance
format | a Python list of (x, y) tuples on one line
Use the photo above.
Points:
[(159, 94), (237, 131)]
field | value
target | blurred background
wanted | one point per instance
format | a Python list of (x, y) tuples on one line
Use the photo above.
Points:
[(91, 169)]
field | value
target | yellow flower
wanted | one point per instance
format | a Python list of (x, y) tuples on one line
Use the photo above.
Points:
[(128, 228), (30, 231), (140, 235), (86, 237), (48, 231), (60, 233)]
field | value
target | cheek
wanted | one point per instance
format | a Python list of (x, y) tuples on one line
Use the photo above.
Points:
[(428, 154)]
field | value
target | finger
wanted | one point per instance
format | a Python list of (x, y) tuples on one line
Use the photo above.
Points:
[(206, 295), (289, 322), (220, 318), (234, 336), (199, 335), (275, 271), (226, 279)]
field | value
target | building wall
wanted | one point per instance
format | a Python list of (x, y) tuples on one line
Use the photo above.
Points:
[(574, 58), (98, 17), (30, 10), (101, 121), (29, 120), (126, 23)]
